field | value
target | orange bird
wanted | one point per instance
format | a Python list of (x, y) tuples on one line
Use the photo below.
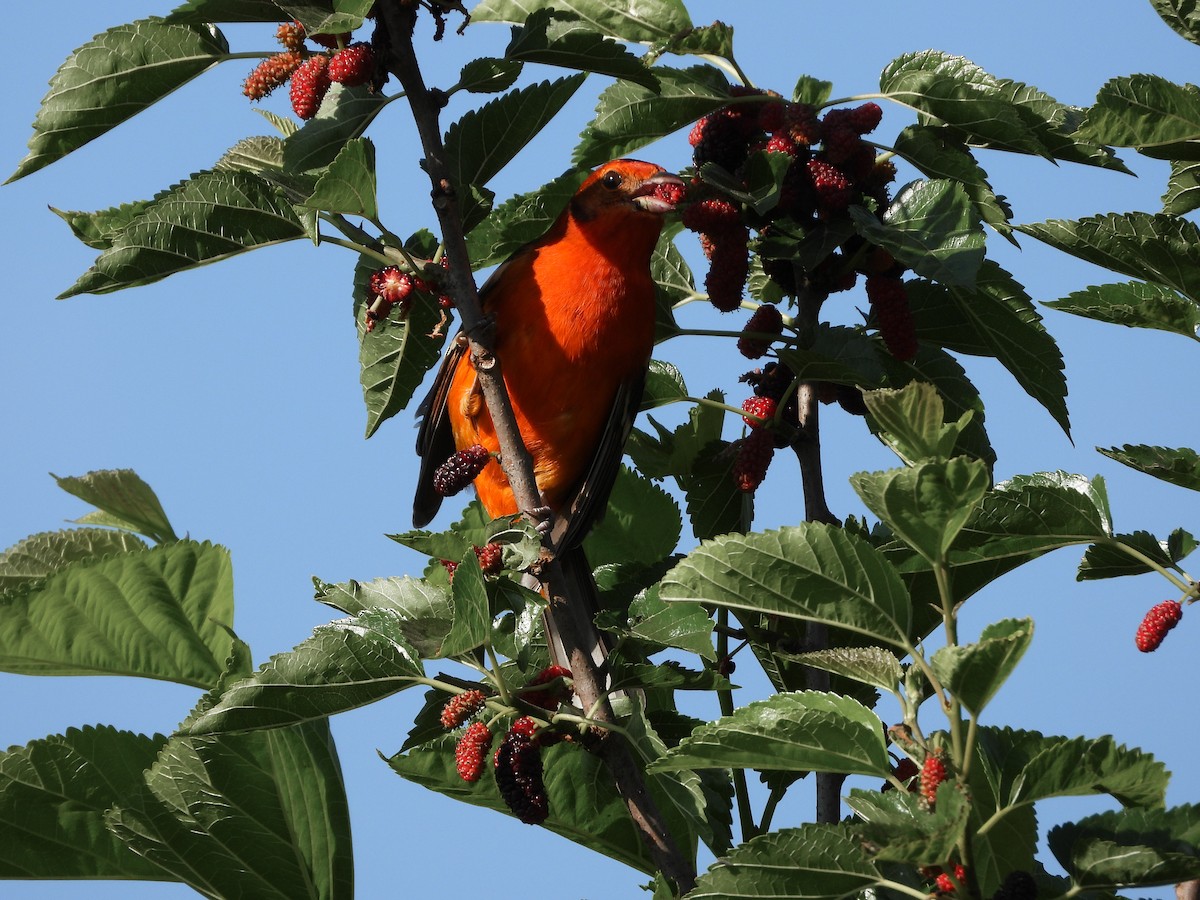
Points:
[(574, 314)]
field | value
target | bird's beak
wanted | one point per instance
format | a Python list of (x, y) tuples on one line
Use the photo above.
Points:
[(659, 193)]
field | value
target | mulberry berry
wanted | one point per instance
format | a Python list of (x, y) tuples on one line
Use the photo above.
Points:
[(291, 35), (1017, 885), (723, 137), (526, 726), (310, 83), (490, 557), (715, 215), (866, 118), (758, 408), (889, 301), (945, 885), (391, 284), (765, 320), (460, 470), (832, 187), (729, 266), (670, 193), (801, 124), (933, 773), (470, 753), (271, 73), (519, 777), (353, 66), (547, 698), (754, 457), (1161, 619), (461, 707), (904, 772)]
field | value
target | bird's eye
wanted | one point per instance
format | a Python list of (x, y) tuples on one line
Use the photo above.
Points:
[(612, 180)]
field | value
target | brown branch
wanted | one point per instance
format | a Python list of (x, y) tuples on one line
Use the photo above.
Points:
[(570, 614)]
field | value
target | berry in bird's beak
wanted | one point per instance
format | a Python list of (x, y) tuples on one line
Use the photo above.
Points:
[(660, 193)]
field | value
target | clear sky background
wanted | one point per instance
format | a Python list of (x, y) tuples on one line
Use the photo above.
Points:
[(233, 390)]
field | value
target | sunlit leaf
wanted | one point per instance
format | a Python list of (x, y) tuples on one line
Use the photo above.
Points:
[(629, 20), (1134, 304)]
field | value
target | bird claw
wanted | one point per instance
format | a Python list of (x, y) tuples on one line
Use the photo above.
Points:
[(540, 516)]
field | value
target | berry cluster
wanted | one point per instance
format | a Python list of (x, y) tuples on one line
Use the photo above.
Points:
[(945, 885), (460, 470), (933, 773), (310, 74), (1161, 619), (518, 771)]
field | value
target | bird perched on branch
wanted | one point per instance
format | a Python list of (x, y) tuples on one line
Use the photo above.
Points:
[(574, 319)]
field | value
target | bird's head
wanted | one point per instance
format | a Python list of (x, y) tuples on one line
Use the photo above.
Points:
[(626, 187)]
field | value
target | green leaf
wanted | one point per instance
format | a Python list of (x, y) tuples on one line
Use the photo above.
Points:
[(974, 672), (870, 665), (1130, 848), (126, 501), (813, 91), (911, 420), (810, 571), (702, 40), (550, 38), (521, 220), (487, 75), (200, 11), (925, 505), (996, 319), (254, 815), (472, 615), (837, 353), (1134, 304), (673, 277), (686, 626), (344, 115), (664, 385), (898, 828), (935, 152), (642, 21), (629, 116), (395, 355), (113, 77), (348, 186), (1107, 560), (1056, 128), (100, 228), (1144, 111), (345, 664), (955, 91), (933, 228), (41, 555), (210, 217), (425, 611), (583, 802), (53, 796), (807, 731), (759, 183), (483, 141), (641, 525), (1177, 466), (1183, 188), (1160, 248), (161, 613), (812, 862), (1181, 15)]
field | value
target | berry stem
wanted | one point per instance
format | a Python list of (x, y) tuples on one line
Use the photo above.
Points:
[(952, 708), (357, 248), (1188, 586), (854, 98)]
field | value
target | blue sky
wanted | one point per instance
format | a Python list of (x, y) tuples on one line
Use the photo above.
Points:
[(233, 390)]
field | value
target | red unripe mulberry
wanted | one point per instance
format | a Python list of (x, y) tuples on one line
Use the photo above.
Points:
[(461, 707), (490, 557), (470, 753), (832, 187), (758, 409), (1161, 619), (291, 35), (945, 885), (310, 84), (272, 72), (933, 773), (547, 698), (353, 66)]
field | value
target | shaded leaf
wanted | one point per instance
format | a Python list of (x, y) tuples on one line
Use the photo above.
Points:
[(642, 21), (124, 498), (899, 828), (1134, 304), (521, 220), (550, 38), (686, 626), (837, 353), (1107, 560), (345, 664), (53, 796), (642, 523), (487, 75), (1181, 15), (1183, 188), (252, 815), (806, 731), (664, 385), (629, 116), (1133, 847), (161, 613), (472, 614), (113, 77), (1177, 466), (344, 115)]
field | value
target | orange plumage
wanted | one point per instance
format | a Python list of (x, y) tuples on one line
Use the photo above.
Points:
[(574, 322)]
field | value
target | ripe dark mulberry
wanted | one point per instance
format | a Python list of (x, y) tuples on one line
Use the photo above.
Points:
[(716, 215), (765, 320), (889, 301), (832, 187), (460, 470), (754, 457), (1161, 619), (729, 266), (866, 118), (519, 777), (1017, 885), (470, 753), (461, 707), (310, 83)]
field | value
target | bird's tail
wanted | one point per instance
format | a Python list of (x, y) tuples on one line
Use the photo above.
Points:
[(578, 585)]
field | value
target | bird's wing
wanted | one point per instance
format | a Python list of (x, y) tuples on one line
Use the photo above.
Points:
[(589, 498)]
